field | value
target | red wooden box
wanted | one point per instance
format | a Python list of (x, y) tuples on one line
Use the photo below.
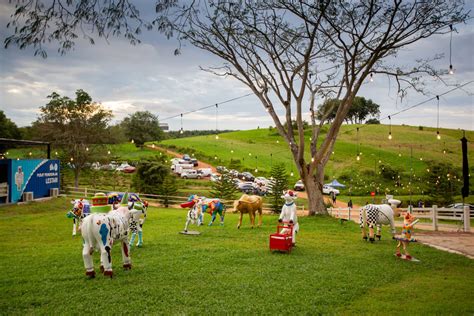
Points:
[(282, 242)]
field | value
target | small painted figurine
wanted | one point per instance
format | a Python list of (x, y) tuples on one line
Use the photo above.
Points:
[(288, 213), (136, 224), (406, 237)]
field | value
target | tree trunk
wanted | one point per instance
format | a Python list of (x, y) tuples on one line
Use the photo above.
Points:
[(76, 177), (315, 196)]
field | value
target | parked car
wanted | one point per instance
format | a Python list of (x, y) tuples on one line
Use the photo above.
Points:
[(122, 166), (261, 180), (214, 177), (221, 169), (234, 173), (129, 169), (194, 161), (299, 186), (186, 157), (190, 174), (246, 187), (460, 206), (205, 172), (246, 176), (330, 190)]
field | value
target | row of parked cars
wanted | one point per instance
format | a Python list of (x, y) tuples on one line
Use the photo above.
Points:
[(184, 167), (327, 189), (123, 167)]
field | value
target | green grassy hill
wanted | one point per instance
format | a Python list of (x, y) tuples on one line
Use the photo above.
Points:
[(411, 148)]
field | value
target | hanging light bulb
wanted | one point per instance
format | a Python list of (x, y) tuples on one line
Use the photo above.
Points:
[(72, 159), (108, 152), (438, 136), (181, 131), (451, 69), (87, 148), (231, 151), (56, 153), (358, 157), (256, 170), (390, 128), (133, 142), (292, 174), (312, 159), (153, 146), (30, 153), (371, 77)]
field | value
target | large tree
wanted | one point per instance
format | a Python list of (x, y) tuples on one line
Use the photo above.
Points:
[(359, 111), (141, 127), (289, 53), (78, 126), (8, 128)]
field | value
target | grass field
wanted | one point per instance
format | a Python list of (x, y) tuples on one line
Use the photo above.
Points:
[(223, 271)]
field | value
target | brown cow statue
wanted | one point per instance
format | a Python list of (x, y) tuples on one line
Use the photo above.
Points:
[(249, 204)]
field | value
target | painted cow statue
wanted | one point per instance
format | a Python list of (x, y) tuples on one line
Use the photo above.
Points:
[(80, 209), (101, 231), (249, 204), (194, 214), (377, 215), (288, 214), (136, 224)]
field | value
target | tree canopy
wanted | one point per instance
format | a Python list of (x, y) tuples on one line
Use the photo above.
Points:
[(360, 110), (141, 127), (77, 126), (8, 128)]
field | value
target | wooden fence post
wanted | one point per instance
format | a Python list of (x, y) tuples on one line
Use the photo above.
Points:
[(434, 217), (349, 214), (467, 219)]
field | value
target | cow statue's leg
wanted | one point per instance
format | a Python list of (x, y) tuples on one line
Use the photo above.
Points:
[(132, 239), (213, 218), (74, 227), (106, 259), (379, 231), (397, 253), (371, 232), (259, 217), (405, 249), (87, 251), (252, 217), (140, 238), (187, 223), (362, 225), (221, 215), (240, 220), (127, 262)]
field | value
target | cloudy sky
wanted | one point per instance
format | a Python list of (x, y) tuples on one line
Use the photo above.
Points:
[(127, 78)]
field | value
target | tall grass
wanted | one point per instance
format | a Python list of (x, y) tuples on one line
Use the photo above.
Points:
[(223, 271)]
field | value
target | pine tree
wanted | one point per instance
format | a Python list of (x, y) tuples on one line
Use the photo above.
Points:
[(168, 189), (279, 183), (224, 188)]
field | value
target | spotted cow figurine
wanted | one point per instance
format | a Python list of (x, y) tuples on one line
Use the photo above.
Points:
[(288, 213), (101, 231), (377, 215), (136, 225)]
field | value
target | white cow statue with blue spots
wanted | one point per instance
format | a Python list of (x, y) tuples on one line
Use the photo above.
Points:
[(101, 231), (377, 215)]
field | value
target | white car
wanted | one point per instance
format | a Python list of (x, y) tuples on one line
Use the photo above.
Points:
[(261, 180), (122, 166), (190, 174), (330, 190), (214, 177), (299, 186)]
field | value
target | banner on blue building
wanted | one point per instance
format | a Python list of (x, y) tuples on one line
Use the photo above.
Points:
[(33, 175)]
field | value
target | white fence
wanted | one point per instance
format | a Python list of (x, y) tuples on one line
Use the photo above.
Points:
[(433, 214), (154, 199)]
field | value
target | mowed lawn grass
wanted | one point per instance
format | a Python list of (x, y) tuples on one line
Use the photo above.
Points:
[(223, 271)]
